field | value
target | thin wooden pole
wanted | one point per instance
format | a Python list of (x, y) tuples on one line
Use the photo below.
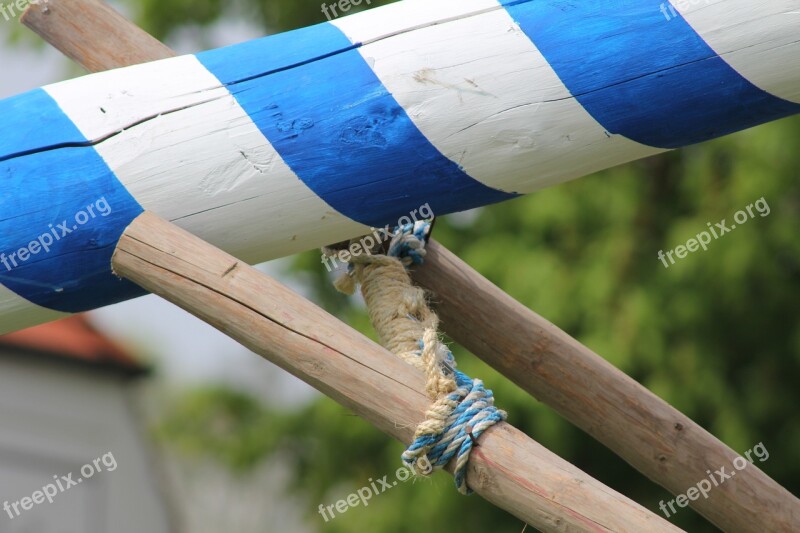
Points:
[(580, 385), (509, 469), (93, 34), (654, 437)]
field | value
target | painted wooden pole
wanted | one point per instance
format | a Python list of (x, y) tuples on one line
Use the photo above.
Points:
[(306, 138), (509, 469)]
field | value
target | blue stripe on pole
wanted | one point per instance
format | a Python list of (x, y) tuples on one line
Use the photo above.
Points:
[(340, 130), (30, 124), (618, 59), (62, 211)]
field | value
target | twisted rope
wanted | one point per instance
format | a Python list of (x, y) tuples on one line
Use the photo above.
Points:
[(462, 407)]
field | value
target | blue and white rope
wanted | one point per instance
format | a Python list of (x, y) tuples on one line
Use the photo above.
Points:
[(474, 412), (463, 408)]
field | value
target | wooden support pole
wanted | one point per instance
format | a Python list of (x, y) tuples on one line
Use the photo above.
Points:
[(93, 34), (509, 469), (577, 383), (654, 437)]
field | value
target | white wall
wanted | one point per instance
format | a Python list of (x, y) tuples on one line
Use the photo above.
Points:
[(56, 417)]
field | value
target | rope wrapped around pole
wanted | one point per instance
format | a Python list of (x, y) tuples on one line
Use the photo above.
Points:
[(462, 407)]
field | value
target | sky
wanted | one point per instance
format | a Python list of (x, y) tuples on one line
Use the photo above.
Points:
[(183, 350)]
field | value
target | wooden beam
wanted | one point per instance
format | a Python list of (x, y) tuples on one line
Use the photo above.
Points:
[(509, 469), (324, 131), (654, 437), (82, 26)]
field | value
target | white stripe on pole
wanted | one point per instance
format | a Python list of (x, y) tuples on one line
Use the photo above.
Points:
[(113, 100), (18, 313), (409, 15), (202, 161), (759, 39), (511, 123)]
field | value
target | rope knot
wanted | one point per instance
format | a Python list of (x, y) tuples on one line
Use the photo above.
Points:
[(462, 407)]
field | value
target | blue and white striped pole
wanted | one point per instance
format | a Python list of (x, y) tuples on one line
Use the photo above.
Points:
[(305, 138)]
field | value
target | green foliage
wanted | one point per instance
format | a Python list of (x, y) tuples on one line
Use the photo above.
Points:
[(161, 17), (229, 427)]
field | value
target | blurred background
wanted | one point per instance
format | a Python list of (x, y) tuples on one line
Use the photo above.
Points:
[(210, 438)]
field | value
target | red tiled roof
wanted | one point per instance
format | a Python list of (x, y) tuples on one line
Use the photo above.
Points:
[(73, 338)]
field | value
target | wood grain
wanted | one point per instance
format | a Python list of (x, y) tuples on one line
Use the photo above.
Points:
[(655, 438), (82, 26), (509, 469)]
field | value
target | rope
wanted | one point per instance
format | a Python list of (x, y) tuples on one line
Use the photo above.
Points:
[(462, 407)]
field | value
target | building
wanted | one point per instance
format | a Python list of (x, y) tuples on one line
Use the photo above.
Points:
[(74, 456)]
